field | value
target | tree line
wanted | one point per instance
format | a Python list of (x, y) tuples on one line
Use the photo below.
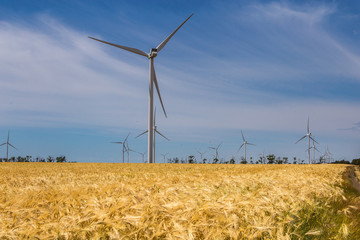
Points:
[(269, 159), (59, 159)]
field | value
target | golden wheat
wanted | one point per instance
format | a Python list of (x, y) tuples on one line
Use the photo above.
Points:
[(169, 201)]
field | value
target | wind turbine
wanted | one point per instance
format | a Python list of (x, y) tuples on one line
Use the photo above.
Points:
[(244, 144), (164, 156), (123, 145), (308, 135), (156, 131), (7, 146), (314, 149), (152, 80), (216, 150), (201, 155), (128, 150), (143, 155)]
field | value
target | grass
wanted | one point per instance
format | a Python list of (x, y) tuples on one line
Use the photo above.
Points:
[(170, 201)]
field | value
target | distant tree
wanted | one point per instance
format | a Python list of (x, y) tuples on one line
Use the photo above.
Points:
[(341, 162), (279, 160), (243, 161), (302, 161), (204, 160), (262, 160), (271, 158), (356, 161), (285, 160), (215, 160), (50, 159), (61, 159), (39, 159), (294, 162), (12, 159), (191, 159), (251, 160), (232, 160)]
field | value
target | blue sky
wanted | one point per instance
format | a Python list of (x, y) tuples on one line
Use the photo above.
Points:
[(262, 67)]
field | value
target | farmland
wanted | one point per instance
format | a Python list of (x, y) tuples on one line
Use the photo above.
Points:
[(173, 201)]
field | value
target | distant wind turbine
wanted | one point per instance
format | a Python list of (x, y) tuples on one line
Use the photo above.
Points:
[(123, 145), (7, 146), (156, 131), (314, 149), (216, 150), (308, 135), (201, 155), (164, 156), (152, 80), (128, 150), (142, 155), (244, 144)]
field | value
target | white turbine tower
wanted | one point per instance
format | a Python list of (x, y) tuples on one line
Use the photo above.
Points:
[(308, 135), (244, 144), (152, 80), (123, 145), (156, 131), (7, 146)]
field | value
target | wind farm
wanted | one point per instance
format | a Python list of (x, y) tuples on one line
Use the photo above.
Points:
[(227, 158)]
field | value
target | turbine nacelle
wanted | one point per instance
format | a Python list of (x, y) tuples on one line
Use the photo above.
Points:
[(153, 53)]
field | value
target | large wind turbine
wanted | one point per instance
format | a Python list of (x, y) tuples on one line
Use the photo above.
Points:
[(123, 145), (7, 146), (152, 80), (308, 135), (244, 144), (156, 131)]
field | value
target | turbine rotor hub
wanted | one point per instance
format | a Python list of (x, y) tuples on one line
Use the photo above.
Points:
[(153, 53)]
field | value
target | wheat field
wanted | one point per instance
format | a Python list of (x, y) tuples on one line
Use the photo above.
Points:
[(176, 201)]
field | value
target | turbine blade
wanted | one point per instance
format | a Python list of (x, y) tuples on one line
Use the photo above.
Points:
[(157, 88), (141, 134), (242, 136), (251, 144), (212, 148), (161, 45), (117, 142), (155, 116), (8, 136), (314, 140), (308, 127), (133, 50), (241, 147), (300, 139), (2, 144), (126, 137), (161, 135), (12, 146)]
